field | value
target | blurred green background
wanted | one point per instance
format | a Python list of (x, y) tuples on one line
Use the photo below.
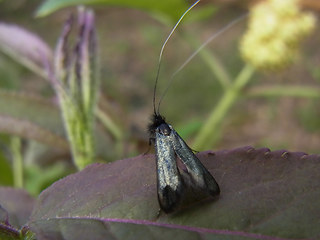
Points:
[(129, 44)]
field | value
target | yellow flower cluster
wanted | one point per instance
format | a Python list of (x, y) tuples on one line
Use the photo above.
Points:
[(276, 27)]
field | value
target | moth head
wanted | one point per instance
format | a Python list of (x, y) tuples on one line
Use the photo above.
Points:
[(156, 121), (164, 129)]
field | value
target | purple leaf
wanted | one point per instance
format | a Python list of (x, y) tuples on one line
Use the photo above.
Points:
[(4, 216), (264, 195), (15, 206), (25, 47)]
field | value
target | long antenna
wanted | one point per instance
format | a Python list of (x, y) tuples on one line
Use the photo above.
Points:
[(161, 53), (214, 36)]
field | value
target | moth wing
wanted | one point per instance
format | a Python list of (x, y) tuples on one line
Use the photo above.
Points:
[(169, 184), (200, 176)]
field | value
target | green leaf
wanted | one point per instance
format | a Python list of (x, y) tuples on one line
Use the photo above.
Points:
[(167, 8), (202, 13), (264, 195)]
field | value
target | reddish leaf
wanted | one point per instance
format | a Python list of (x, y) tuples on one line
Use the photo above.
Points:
[(16, 206), (264, 195)]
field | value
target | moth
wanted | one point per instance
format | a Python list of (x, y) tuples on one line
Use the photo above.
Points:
[(180, 174), (172, 182)]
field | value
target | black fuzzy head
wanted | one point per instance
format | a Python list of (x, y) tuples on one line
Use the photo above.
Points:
[(156, 121)]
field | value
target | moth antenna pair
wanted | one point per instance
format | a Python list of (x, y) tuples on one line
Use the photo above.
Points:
[(210, 39), (156, 110)]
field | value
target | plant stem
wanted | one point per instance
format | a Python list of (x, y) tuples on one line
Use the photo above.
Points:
[(205, 138), (109, 124), (17, 162)]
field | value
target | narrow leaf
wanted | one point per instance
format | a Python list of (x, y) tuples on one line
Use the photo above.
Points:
[(25, 129), (31, 117), (168, 8), (32, 108), (43, 117), (25, 47)]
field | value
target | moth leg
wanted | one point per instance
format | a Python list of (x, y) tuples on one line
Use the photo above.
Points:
[(194, 151), (151, 141)]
